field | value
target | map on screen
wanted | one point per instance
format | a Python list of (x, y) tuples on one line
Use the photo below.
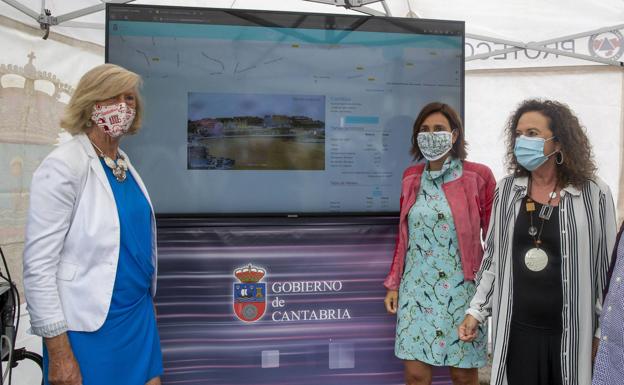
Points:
[(258, 112)]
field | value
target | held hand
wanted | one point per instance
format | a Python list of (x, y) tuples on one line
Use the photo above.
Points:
[(392, 301), (468, 329), (595, 344), (63, 368)]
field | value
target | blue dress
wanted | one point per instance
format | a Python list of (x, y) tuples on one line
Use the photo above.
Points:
[(126, 349), (433, 295)]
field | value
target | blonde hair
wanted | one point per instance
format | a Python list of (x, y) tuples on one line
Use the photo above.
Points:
[(100, 83)]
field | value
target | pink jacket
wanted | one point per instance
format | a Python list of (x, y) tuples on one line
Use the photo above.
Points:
[(470, 199)]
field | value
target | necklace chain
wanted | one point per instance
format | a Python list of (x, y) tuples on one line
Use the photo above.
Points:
[(118, 166), (538, 240)]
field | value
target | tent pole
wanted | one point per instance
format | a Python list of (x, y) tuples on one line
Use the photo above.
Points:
[(554, 51), (81, 12), (45, 19), (557, 39), (81, 24), (588, 33), (368, 11), (88, 10), (539, 46), (355, 5), (410, 12), (22, 8), (386, 8)]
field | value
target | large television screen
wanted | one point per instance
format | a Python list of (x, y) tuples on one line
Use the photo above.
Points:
[(260, 112)]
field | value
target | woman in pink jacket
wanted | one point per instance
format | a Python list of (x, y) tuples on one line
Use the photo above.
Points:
[(445, 210)]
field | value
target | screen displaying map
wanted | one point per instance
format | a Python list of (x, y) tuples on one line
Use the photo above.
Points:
[(258, 112)]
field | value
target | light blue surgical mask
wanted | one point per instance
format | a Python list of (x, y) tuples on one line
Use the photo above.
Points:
[(530, 151)]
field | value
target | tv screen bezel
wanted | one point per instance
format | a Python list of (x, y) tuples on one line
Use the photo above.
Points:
[(311, 20)]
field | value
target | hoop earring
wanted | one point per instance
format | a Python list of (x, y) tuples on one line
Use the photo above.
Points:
[(559, 158), (88, 124)]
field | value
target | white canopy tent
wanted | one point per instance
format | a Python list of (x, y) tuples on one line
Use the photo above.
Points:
[(533, 36), (518, 24), (571, 51), (567, 50)]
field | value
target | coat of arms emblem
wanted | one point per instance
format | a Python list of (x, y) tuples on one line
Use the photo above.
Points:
[(249, 293)]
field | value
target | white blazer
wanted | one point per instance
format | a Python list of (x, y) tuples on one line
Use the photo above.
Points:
[(72, 241)]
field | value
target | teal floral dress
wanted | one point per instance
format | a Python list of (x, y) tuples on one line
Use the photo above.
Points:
[(433, 295)]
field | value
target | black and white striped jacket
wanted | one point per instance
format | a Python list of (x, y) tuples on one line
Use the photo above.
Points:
[(588, 228)]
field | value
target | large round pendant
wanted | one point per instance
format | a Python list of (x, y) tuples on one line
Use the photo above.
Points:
[(536, 259)]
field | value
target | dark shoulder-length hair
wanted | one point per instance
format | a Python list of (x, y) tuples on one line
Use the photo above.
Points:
[(578, 161), (459, 147)]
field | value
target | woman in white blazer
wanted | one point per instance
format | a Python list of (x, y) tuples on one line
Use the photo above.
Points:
[(90, 253)]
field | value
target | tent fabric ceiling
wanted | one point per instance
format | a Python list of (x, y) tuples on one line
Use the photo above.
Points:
[(520, 20)]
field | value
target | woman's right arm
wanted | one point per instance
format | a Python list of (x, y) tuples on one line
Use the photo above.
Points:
[(53, 194), (52, 197), (393, 278), (392, 281)]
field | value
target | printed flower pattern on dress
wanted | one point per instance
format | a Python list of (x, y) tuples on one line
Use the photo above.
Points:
[(433, 295)]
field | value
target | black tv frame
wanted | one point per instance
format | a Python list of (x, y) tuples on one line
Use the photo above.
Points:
[(285, 19)]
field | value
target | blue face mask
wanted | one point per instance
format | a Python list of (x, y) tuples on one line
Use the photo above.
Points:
[(530, 152)]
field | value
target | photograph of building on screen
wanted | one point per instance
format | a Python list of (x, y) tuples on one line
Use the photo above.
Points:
[(255, 132)]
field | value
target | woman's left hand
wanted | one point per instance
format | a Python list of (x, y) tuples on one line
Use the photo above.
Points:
[(468, 329)]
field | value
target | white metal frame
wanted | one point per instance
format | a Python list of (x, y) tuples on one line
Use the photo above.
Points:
[(46, 20), (358, 5), (542, 46)]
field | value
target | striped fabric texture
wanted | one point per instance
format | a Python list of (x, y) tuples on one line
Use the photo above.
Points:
[(588, 230)]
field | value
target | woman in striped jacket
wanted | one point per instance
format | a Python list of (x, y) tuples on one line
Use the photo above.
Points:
[(547, 253)]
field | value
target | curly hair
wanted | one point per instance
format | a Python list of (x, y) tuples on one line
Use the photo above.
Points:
[(459, 147), (578, 160)]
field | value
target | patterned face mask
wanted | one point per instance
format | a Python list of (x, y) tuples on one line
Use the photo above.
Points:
[(434, 145), (113, 119)]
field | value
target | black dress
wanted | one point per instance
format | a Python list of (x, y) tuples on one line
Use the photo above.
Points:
[(534, 353)]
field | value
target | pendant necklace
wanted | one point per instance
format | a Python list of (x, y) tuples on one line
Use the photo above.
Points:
[(536, 258), (118, 166)]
